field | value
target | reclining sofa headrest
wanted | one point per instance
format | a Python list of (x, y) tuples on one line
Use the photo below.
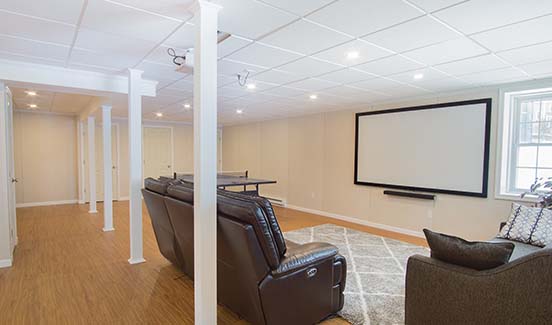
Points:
[(158, 186), (182, 191)]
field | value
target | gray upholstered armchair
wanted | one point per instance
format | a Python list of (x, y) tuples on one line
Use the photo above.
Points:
[(519, 292)]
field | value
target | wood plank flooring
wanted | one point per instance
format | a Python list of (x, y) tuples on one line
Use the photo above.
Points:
[(67, 271)]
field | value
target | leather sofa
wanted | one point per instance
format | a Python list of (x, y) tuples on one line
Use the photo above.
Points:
[(518, 292), (261, 276)]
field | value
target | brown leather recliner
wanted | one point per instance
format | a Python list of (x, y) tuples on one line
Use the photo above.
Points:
[(262, 277), (154, 196)]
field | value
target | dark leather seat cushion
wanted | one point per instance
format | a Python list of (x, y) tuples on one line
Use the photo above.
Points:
[(307, 254)]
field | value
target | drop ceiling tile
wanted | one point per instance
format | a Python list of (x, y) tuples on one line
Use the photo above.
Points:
[(262, 55), (346, 76), (376, 84), (451, 50), (259, 86), (36, 29), (366, 52), (59, 10), (529, 54), (285, 91), (276, 77), (183, 38), (28, 47), (103, 59), (494, 76), (445, 84), (300, 8), (345, 91), (112, 44), (232, 68), (427, 73), (96, 68), (405, 91), (305, 37), (182, 85), (433, 5), (472, 65), (479, 15), (250, 19), (156, 71), (513, 36), (308, 67), (312, 84), (176, 93), (413, 34), (30, 59), (231, 44), (538, 69), (390, 65), (232, 92), (110, 17), (177, 9), (361, 17)]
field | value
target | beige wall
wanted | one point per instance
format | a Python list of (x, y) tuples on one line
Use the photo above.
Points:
[(312, 158), (45, 148)]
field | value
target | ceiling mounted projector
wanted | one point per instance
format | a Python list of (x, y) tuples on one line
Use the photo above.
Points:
[(185, 63)]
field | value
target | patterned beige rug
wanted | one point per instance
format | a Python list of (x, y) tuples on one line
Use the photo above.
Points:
[(374, 293)]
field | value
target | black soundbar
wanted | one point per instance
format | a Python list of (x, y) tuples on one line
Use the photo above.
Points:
[(410, 195)]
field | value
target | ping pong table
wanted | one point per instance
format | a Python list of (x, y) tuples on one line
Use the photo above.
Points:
[(231, 179)]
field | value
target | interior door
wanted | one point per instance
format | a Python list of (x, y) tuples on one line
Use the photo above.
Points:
[(157, 144), (99, 162), (11, 170)]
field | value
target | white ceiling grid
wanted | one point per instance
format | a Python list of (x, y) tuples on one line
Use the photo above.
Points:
[(293, 49)]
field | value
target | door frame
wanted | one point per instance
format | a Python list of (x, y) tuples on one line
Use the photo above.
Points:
[(171, 128), (82, 166)]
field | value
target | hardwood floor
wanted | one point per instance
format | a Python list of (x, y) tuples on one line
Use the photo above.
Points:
[(67, 271)]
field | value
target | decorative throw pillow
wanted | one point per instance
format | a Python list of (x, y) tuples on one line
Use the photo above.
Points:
[(528, 225), (474, 255)]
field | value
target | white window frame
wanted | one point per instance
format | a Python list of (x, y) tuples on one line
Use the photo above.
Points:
[(506, 137)]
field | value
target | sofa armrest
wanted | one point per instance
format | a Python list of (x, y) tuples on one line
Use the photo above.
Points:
[(515, 293), (302, 256)]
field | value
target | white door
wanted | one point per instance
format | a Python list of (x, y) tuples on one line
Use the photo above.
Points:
[(157, 144), (99, 163), (11, 170)]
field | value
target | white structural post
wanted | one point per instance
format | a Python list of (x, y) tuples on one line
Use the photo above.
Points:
[(92, 164), (135, 164), (107, 167), (205, 163)]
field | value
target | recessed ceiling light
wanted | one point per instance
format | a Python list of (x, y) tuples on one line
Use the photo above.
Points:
[(159, 114), (313, 96), (33, 106), (353, 55), (31, 93), (187, 105), (418, 76), (251, 86), (239, 111)]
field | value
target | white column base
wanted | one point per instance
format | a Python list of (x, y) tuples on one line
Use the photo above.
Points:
[(6, 263), (136, 260), (108, 229)]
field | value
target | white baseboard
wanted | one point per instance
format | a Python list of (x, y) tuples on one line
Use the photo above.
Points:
[(123, 198), (6, 263), (38, 204), (359, 221)]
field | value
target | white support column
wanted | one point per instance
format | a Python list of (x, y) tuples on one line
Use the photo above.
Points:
[(205, 164), (135, 163), (92, 164), (107, 167)]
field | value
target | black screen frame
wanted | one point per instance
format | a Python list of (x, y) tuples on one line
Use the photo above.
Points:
[(485, 177)]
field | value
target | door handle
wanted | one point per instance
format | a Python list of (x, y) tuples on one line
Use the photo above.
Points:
[(168, 166), (14, 180)]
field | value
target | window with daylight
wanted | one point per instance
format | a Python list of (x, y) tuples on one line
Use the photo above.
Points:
[(526, 140)]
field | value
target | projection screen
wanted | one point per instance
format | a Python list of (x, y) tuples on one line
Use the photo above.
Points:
[(442, 148)]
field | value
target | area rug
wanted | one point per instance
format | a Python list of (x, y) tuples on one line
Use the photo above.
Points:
[(376, 266)]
